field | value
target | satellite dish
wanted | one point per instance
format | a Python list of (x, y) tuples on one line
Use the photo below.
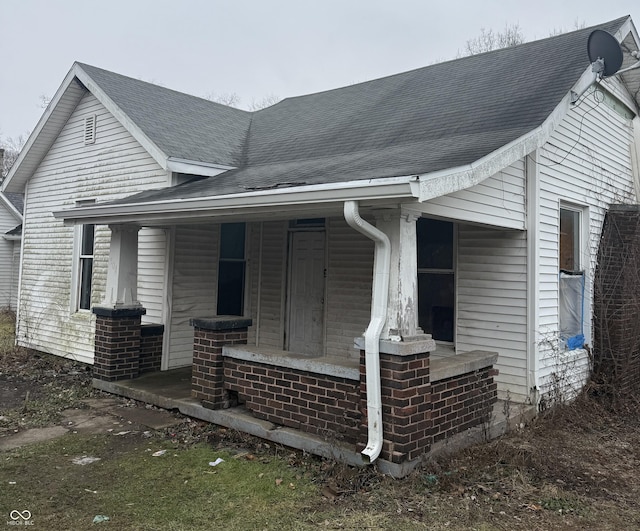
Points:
[(606, 58), (604, 52)]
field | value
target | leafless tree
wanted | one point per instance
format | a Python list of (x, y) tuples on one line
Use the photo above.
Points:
[(12, 148), (489, 40), (576, 26), (44, 101), (231, 99), (262, 103)]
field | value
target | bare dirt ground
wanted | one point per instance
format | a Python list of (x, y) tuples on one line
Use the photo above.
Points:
[(576, 467)]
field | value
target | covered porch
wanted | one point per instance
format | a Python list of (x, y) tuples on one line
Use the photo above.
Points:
[(307, 287)]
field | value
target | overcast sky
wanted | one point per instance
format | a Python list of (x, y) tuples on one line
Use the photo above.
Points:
[(253, 48)]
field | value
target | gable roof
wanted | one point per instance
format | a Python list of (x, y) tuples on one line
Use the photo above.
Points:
[(448, 115), (181, 126)]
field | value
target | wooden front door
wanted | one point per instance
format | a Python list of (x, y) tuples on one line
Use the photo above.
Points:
[(306, 293)]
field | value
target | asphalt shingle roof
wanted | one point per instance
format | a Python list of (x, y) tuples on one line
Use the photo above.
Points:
[(182, 126), (441, 116), (16, 199)]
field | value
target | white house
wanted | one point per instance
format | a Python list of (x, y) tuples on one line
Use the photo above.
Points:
[(11, 205), (434, 209)]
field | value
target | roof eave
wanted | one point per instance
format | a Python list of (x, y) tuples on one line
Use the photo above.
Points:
[(263, 201), (46, 130)]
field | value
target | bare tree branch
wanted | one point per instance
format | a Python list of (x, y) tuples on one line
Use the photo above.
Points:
[(489, 40), (12, 148)]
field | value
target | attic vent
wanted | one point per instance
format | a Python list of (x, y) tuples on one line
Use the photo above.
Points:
[(90, 130)]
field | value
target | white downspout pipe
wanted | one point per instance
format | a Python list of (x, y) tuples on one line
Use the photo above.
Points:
[(379, 300)]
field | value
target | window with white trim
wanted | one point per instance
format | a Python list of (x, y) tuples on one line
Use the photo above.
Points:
[(231, 269), (85, 266), (571, 282)]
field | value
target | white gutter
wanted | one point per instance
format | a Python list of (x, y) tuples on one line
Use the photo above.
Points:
[(366, 189), (379, 301)]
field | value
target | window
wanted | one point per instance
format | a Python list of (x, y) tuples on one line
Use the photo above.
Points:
[(85, 266), (231, 269), (436, 280), (569, 239), (571, 278)]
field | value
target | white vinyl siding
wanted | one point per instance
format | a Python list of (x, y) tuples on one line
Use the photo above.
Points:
[(152, 252), (498, 200), (270, 291), (492, 301), (113, 167), (585, 163), (8, 268), (194, 286), (349, 284), (15, 276)]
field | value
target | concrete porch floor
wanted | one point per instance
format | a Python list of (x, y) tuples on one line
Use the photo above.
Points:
[(172, 390)]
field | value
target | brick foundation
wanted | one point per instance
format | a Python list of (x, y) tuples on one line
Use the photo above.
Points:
[(117, 343), (462, 402), (325, 405), (207, 376)]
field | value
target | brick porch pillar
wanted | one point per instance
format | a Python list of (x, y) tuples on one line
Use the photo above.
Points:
[(406, 397), (117, 343), (117, 337), (207, 376)]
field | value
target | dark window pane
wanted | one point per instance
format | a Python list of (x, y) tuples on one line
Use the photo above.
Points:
[(231, 288), (435, 304), (86, 267), (307, 222), (232, 241), (569, 240), (87, 239), (435, 244)]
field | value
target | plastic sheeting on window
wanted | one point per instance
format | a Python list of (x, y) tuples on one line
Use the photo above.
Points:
[(572, 308)]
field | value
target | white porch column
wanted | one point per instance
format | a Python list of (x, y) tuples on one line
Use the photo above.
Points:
[(122, 273), (402, 313)]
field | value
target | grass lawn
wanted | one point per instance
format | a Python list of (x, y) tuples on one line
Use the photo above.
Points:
[(177, 490)]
